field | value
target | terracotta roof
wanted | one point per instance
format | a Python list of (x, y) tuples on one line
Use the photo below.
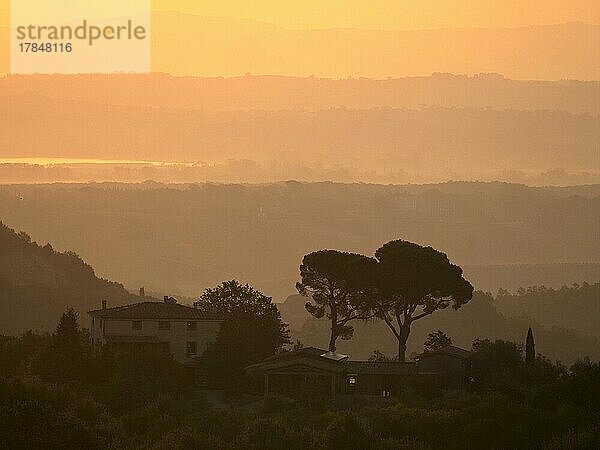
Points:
[(154, 310)]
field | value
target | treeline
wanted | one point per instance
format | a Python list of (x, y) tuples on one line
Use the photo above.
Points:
[(252, 171), (511, 277), (55, 394), (575, 307), (272, 93)]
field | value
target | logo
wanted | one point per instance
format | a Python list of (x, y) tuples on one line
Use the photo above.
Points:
[(58, 36)]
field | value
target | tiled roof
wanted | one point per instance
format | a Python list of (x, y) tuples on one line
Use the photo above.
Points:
[(311, 351), (381, 367), (450, 350), (154, 310), (305, 351)]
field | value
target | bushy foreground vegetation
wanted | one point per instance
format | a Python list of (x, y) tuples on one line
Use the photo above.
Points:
[(55, 394)]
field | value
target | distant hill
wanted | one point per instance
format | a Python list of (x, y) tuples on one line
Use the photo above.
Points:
[(186, 44), (234, 46), (477, 319), (273, 93), (38, 283), (192, 236), (427, 144), (273, 128), (575, 307)]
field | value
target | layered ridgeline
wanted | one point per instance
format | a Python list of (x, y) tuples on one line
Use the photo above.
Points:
[(188, 237), (161, 91), (37, 283), (263, 129)]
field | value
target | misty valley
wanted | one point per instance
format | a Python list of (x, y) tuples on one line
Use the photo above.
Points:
[(255, 356), (330, 225)]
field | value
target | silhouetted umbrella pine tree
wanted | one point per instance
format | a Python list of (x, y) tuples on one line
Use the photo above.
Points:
[(414, 282), (339, 286)]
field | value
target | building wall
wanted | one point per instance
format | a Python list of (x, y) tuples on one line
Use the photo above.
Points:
[(452, 370), (177, 336)]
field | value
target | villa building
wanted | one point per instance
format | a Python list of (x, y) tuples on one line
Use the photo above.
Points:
[(167, 326)]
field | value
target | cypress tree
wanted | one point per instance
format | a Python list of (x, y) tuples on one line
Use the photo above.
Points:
[(529, 348)]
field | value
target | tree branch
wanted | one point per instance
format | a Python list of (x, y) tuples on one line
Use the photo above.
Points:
[(390, 324), (420, 316)]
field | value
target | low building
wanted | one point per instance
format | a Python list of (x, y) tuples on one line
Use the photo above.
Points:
[(316, 372), (167, 326), (451, 362)]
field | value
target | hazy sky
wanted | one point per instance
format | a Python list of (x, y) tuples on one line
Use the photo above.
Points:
[(394, 14), (386, 14), (230, 47)]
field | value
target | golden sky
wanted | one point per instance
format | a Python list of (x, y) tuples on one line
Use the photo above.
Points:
[(394, 14), (220, 47), (386, 14)]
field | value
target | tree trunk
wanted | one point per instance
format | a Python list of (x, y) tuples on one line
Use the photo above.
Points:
[(332, 339), (401, 351), (402, 338), (334, 328), (332, 344)]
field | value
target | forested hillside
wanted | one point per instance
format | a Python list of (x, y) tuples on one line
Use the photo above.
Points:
[(37, 283), (576, 307)]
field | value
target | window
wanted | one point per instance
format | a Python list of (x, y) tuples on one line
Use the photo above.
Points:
[(136, 324), (191, 325), (352, 380), (191, 348), (164, 325)]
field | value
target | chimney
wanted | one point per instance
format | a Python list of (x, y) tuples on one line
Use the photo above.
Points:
[(166, 299), (142, 292), (103, 304)]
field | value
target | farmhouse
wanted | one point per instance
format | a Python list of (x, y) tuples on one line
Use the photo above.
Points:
[(167, 326), (313, 371)]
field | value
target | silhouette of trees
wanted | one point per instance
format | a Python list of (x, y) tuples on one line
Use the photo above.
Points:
[(340, 287), (379, 356), (405, 283), (571, 307), (436, 341), (529, 348), (252, 329), (67, 356), (15, 353), (414, 282), (497, 364), (146, 401)]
